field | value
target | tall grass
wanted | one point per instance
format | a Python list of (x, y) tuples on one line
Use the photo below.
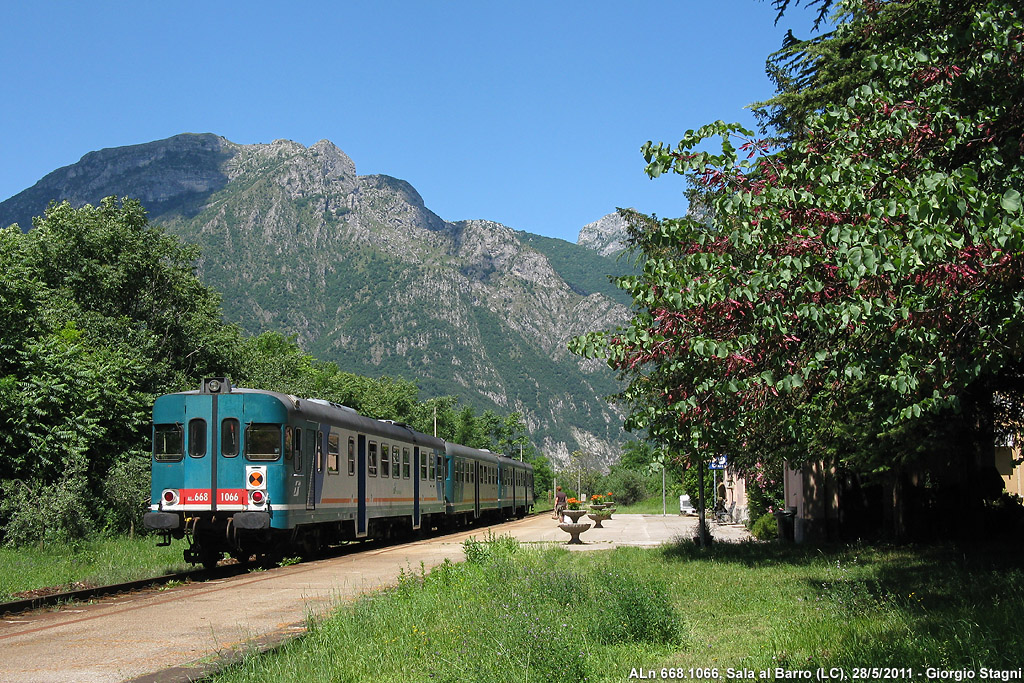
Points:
[(516, 614), (507, 614), (88, 563)]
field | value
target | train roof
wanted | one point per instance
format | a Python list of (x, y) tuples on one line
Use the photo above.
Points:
[(318, 410), (481, 454)]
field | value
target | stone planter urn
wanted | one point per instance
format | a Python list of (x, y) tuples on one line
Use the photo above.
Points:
[(599, 516), (574, 530), (574, 515)]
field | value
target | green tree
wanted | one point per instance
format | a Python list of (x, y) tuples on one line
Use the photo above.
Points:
[(871, 267), (101, 313)]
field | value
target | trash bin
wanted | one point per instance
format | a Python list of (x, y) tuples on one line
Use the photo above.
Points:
[(785, 520)]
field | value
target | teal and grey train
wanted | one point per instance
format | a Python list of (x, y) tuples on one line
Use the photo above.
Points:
[(249, 472)]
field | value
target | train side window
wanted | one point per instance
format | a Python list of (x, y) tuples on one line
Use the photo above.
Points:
[(168, 442), (396, 465), (229, 437), (385, 461), (297, 448), (288, 442), (262, 441), (333, 451), (405, 463), (351, 456), (447, 467), (432, 470), (423, 468), (371, 458), (197, 437)]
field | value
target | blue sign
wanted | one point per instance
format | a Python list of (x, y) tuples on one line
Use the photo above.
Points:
[(717, 463)]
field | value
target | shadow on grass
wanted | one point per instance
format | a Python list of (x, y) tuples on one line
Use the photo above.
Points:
[(884, 604)]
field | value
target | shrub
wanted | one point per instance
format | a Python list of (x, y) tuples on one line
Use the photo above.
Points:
[(629, 487), (765, 527)]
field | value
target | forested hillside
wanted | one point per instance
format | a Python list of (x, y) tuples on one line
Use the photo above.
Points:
[(100, 312), (365, 276)]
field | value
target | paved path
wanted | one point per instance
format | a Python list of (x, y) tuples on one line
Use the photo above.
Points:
[(175, 634)]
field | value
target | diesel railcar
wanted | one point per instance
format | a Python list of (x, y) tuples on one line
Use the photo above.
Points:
[(250, 472)]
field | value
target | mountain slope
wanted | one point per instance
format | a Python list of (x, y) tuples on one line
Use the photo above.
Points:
[(371, 279)]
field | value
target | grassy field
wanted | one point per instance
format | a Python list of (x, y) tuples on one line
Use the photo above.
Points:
[(519, 615), (90, 563)]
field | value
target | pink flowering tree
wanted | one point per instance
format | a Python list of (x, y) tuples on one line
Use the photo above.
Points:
[(856, 286)]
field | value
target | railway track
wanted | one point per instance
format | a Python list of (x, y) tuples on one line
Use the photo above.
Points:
[(226, 569), (179, 633)]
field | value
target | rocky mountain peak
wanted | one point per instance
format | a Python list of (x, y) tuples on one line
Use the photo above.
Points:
[(370, 278), (607, 235)]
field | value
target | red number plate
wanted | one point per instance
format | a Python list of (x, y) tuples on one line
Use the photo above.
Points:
[(232, 497), (195, 496)]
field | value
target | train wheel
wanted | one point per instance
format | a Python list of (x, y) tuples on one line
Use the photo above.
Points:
[(209, 558), (310, 544), (241, 557)]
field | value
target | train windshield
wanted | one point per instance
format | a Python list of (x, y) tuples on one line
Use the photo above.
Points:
[(262, 441), (168, 442)]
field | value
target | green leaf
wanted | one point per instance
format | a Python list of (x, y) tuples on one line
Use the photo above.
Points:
[(1011, 201)]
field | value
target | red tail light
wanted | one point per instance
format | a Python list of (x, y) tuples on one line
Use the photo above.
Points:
[(257, 497), (170, 497)]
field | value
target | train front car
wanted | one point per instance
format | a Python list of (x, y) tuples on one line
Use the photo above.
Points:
[(250, 472), (217, 470)]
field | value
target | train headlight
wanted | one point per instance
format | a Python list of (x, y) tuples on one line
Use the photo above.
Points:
[(169, 497), (258, 497)]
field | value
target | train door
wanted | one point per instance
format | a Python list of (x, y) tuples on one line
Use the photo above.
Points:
[(441, 480), (313, 459), (415, 487), (361, 486), (198, 487), (512, 472), (230, 477), (476, 488)]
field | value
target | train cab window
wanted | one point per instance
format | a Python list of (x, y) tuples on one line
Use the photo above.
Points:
[(405, 463), (297, 448), (168, 442), (229, 437), (371, 459), (351, 456), (385, 461), (197, 437), (262, 441), (333, 451), (396, 464)]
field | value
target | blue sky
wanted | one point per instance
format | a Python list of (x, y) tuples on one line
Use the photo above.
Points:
[(528, 113)]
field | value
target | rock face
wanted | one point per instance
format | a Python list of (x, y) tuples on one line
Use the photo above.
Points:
[(607, 235), (370, 278)]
